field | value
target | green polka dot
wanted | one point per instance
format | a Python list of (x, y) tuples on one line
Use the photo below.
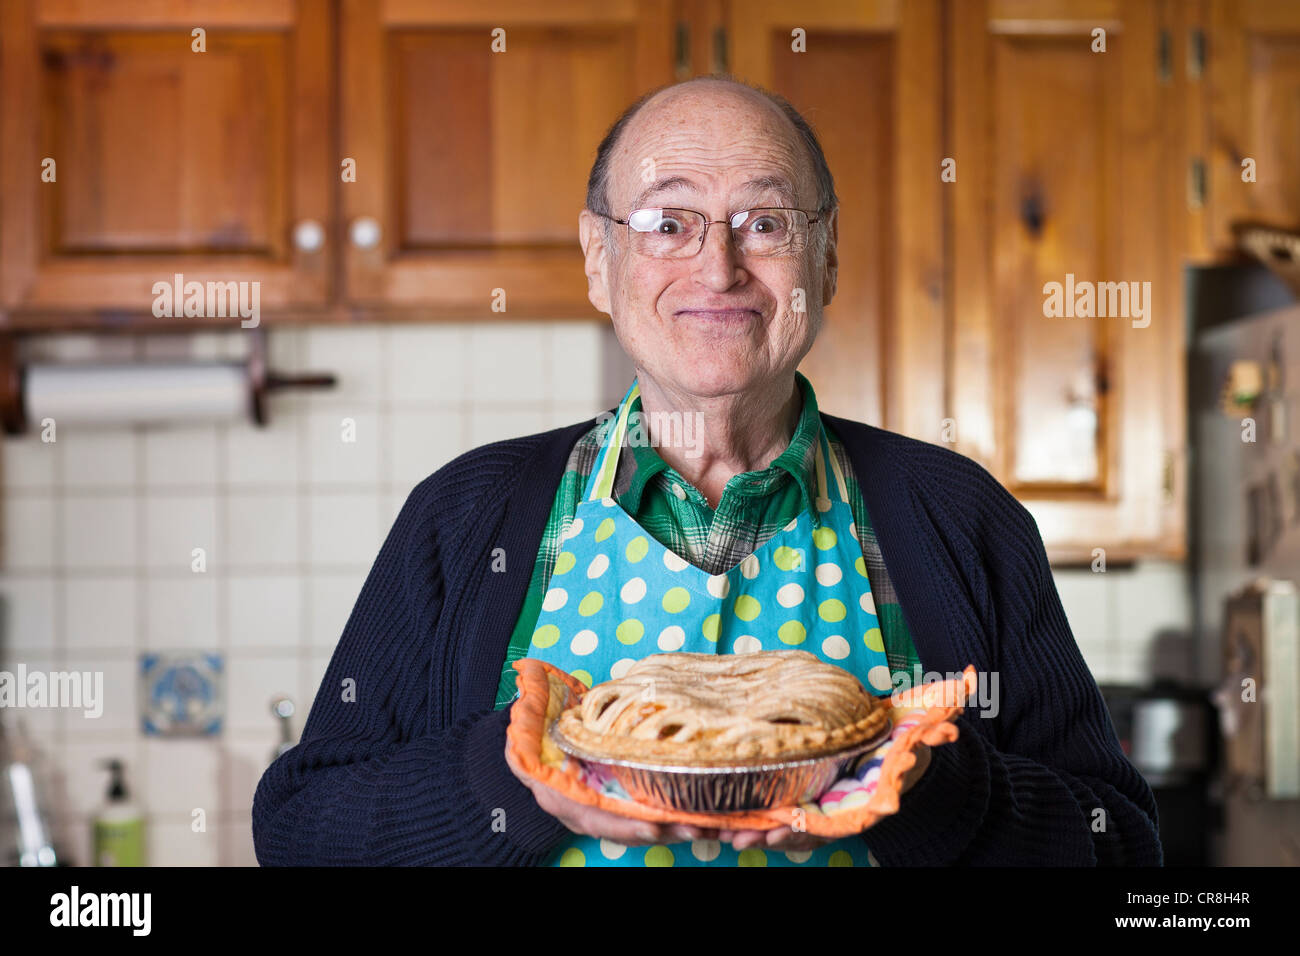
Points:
[(546, 635), (747, 607), (786, 558), (873, 640), (752, 857), (605, 530), (792, 632), (711, 625), (659, 856), (860, 566), (824, 538), (592, 603), (564, 563), (630, 631), (573, 857), (840, 858), (583, 676), (832, 610), (676, 599), (637, 548)]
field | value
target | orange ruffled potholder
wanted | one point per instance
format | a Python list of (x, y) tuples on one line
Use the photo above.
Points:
[(921, 714)]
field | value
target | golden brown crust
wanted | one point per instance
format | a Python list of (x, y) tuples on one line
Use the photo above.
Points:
[(725, 710)]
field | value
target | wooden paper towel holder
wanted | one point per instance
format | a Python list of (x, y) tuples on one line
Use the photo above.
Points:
[(262, 380)]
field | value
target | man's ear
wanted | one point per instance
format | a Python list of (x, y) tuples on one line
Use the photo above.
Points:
[(596, 253), (832, 258)]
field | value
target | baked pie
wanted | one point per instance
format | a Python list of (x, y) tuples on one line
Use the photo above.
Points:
[(710, 710)]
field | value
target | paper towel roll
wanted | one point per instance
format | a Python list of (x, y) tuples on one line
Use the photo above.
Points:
[(136, 393)]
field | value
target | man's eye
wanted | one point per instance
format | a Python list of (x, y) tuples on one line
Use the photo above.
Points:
[(669, 227), (766, 226)]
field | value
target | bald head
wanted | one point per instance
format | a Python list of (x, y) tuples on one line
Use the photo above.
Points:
[(688, 101)]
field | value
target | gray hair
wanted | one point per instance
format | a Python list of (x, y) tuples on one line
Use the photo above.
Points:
[(598, 181)]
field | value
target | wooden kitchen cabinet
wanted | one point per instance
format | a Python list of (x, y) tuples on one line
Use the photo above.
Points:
[(1061, 156), (1252, 85), (165, 159), (471, 165), (869, 78)]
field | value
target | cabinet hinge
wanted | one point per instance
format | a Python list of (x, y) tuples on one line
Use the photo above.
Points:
[(683, 53), (1167, 477), (720, 50), (1164, 67), (1195, 52), (1196, 183)]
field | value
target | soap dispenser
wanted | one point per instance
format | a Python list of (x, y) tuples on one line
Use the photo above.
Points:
[(119, 825)]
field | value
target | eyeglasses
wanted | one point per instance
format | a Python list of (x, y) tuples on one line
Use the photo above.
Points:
[(679, 233)]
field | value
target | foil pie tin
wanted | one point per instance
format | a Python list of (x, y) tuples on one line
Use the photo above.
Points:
[(765, 786)]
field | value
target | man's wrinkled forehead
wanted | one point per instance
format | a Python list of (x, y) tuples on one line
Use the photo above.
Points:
[(766, 188)]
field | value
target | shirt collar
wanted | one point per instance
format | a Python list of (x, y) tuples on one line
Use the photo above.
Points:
[(797, 462)]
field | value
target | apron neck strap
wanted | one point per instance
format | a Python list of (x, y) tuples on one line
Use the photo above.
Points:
[(601, 483)]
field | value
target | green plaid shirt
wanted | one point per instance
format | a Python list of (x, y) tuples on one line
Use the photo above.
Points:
[(754, 506)]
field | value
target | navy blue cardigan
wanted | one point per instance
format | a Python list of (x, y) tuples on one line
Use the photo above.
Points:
[(401, 759)]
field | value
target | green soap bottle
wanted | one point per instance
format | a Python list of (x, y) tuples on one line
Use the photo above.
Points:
[(119, 826)]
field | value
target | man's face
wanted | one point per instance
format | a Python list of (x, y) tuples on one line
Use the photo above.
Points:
[(717, 322)]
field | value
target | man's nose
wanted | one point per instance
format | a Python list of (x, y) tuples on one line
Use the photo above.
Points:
[(718, 258)]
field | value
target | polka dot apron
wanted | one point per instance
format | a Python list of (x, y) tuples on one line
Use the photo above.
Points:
[(617, 595)]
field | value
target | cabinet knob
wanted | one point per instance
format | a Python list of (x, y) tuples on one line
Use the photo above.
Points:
[(308, 236), (365, 232)]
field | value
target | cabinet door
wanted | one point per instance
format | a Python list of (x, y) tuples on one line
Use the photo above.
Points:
[(473, 127), (128, 156), (1059, 162), (870, 83), (1253, 73)]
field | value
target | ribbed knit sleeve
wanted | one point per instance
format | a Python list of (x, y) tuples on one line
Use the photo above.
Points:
[(1037, 777), (384, 774)]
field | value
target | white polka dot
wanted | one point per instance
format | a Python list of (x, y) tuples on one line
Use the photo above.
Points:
[(790, 526), (679, 492), (555, 599), (574, 529), (619, 668), (633, 591), (608, 502), (599, 565), (868, 603), (853, 530), (871, 858), (611, 850), (823, 504), (878, 677), (719, 585), (828, 574), (673, 563), (705, 850), (584, 642), (746, 644), (749, 567), (798, 856), (788, 595), (671, 638), (835, 647)]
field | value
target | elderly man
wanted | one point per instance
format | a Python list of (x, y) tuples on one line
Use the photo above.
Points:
[(710, 242)]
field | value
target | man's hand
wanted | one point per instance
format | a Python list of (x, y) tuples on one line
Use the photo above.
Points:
[(592, 821)]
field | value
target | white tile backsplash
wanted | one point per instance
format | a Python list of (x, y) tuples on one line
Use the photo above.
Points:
[(175, 527), (99, 529), (100, 615), (264, 530), (181, 612), (265, 611), (342, 446)]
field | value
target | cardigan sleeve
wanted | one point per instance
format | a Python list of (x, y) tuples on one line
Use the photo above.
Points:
[(372, 782), (1037, 777)]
